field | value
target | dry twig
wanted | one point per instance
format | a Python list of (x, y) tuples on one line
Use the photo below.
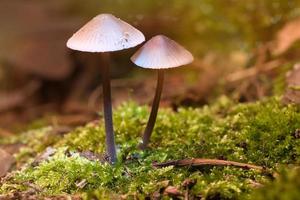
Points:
[(202, 162)]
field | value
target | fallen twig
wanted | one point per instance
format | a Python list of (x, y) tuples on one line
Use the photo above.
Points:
[(202, 162)]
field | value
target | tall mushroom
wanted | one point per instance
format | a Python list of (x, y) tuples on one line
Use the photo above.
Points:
[(159, 53), (106, 33)]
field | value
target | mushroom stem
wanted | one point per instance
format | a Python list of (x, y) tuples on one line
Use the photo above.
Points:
[(107, 107), (155, 105)]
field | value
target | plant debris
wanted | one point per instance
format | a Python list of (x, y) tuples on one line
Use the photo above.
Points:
[(196, 162)]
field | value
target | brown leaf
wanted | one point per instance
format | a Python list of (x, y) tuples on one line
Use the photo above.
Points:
[(287, 36)]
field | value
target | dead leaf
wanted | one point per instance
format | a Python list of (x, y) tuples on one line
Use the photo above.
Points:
[(286, 37)]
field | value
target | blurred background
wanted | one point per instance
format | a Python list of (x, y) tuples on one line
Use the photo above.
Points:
[(242, 49)]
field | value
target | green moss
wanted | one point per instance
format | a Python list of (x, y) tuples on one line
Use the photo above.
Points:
[(261, 133), (285, 187), (36, 139), (62, 173), (129, 121), (90, 138)]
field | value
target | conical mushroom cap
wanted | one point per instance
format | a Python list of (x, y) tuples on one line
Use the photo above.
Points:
[(105, 33), (161, 52)]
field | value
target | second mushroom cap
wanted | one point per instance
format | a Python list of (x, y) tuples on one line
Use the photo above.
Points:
[(160, 52)]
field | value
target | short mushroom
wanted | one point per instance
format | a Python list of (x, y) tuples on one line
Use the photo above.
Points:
[(106, 33), (159, 53)]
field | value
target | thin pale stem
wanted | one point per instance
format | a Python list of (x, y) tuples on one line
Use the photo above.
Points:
[(155, 106), (107, 107)]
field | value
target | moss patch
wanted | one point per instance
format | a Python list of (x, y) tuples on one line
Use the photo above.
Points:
[(285, 187), (261, 133)]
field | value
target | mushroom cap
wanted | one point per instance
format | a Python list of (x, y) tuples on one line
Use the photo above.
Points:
[(160, 52), (105, 33)]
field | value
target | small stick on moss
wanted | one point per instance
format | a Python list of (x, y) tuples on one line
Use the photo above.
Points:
[(202, 162)]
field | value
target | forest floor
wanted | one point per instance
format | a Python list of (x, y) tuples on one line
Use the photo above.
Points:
[(228, 126), (263, 137)]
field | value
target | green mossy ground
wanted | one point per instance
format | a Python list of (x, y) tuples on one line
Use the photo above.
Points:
[(262, 133)]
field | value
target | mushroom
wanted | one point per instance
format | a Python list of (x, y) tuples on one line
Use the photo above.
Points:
[(106, 33), (159, 53)]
